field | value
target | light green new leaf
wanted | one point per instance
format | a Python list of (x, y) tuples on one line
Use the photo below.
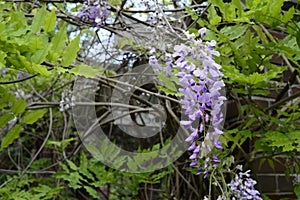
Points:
[(213, 17), (256, 78), (275, 8), (4, 119), (33, 115), (10, 137), (70, 53), (58, 43), (72, 165), (92, 192), (50, 21), (234, 32), (2, 59), (167, 82), (84, 70), (288, 15), (115, 2), (39, 56), (19, 20), (40, 69), (238, 5), (19, 106), (39, 20), (35, 43), (19, 62)]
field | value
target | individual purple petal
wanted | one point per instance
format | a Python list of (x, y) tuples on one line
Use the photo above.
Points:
[(193, 156), (194, 163), (192, 147), (218, 144), (202, 32), (197, 149)]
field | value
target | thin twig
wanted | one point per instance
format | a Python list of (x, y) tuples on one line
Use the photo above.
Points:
[(42, 146)]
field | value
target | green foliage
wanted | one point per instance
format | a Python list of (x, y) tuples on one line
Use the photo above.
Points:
[(92, 176), (70, 52), (33, 115), (57, 44), (38, 20), (85, 70), (50, 21), (18, 106), (297, 190), (11, 136), (15, 189)]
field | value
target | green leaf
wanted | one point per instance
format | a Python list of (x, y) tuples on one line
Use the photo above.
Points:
[(19, 106), (40, 48), (234, 32), (275, 10), (2, 59), (271, 164), (33, 115), (288, 15), (38, 20), (298, 39), (39, 56), (213, 17), (70, 53), (10, 137), (72, 165), (58, 43), (297, 190), (115, 2), (238, 5), (92, 192), (167, 82), (50, 21), (260, 33), (4, 119), (19, 62), (35, 43), (84, 70), (255, 78)]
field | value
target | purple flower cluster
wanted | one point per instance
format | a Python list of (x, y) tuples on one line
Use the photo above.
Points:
[(200, 80), (242, 187), (94, 12)]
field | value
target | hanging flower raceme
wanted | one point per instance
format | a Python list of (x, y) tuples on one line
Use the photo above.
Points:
[(94, 12), (200, 82), (242, 187)]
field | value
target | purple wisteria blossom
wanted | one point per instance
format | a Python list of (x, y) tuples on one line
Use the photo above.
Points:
[(22, 75), (94, 12), (242, 187), (200, 82)]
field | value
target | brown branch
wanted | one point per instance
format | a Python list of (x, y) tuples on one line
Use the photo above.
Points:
[(8, 171), (164, 10), (278, 103), (18, 81)]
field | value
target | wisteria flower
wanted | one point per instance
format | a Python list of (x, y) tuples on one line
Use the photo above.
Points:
[(94, 12), (242, 187), (200, 82)]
